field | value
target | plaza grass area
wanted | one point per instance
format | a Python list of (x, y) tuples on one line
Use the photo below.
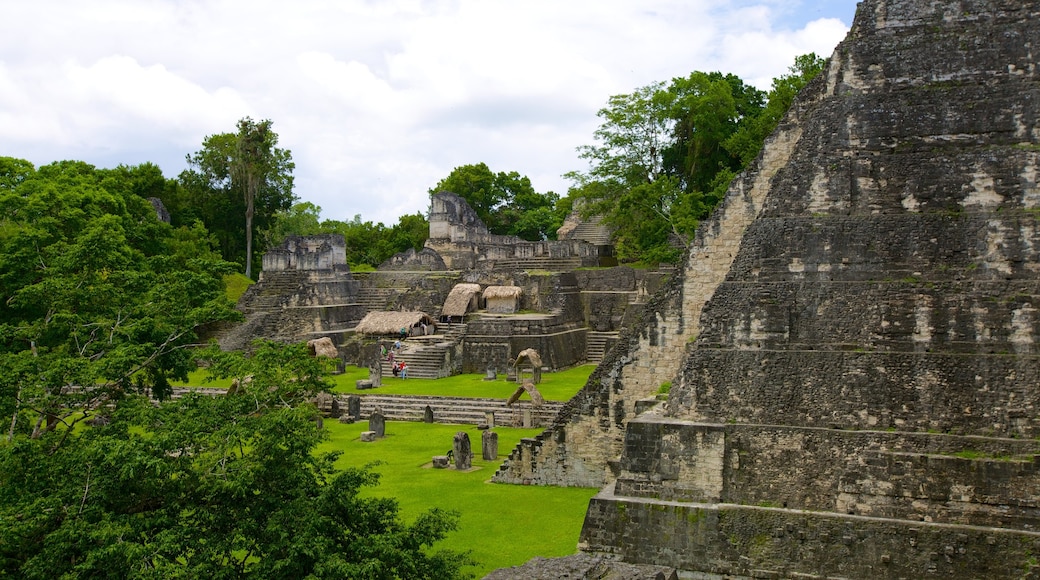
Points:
[(501, 525), (557, 386)]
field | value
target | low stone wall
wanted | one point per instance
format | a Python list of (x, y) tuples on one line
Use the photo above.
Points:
[(911, 476), (727, 541)]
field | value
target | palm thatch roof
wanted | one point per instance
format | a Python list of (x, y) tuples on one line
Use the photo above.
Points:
[(502, 292), (390, 322), (460, 299)]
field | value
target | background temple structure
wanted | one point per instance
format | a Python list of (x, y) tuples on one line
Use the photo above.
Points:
[(851, 345)]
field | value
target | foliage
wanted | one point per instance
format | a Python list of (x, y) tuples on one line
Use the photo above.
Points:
[(747, 141), (666, 153), (102, 298), (209, 487), (238, 180), (506, 202)]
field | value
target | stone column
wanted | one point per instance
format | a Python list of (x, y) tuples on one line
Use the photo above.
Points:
[(489, 445), (354, 407), (462, 451), (427, 414), (377, 423)]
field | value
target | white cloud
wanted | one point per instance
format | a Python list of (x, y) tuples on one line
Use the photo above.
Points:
[(377, 99)]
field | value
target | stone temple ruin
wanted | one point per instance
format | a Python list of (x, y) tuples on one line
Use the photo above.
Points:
[(849, 349), (851, 345), (490, 297)]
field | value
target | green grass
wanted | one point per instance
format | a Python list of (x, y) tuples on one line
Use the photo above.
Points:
[(502, 525), (235, 285), (558, 386)]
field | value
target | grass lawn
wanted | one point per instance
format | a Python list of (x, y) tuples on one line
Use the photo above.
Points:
[(558, 386), (502, 525)]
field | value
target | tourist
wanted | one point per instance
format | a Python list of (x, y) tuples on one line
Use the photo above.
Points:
[(396, 368), (404, 370), (382, 351), (404, 333), (397, 345)]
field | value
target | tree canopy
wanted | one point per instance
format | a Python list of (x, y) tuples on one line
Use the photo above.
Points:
[(99, 291), (209, 487), (507, 203), (666, 152), (104, 303)]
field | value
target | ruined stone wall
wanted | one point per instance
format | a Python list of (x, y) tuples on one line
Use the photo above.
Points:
[(317, 252), (922, 477), (740, 541)]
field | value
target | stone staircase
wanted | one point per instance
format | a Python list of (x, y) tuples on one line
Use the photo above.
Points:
[(375, 299), (457, 410), (275, 291), (592, 231), (597, 344), (426, 359), (544, 263)]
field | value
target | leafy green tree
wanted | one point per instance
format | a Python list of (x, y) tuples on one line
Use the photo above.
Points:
[(666, 155), (209, 487), (102, 298), (302, 219), (507, 203), (410, 231), (748, 140), (240, 174)]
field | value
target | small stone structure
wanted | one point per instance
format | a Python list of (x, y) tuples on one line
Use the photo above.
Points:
[(377, 423), (368, 436), (527, 387), (462, 240), (305, 289), (318, 252), (322, 347), (440, 461), (462, 451), (428, 414), (489, 445)]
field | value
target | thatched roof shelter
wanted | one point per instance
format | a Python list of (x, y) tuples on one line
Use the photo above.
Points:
[(462, 299), (502, 299), (391, 322), (493, 292)]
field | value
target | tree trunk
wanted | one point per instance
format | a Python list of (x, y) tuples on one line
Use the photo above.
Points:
[(249, 235)]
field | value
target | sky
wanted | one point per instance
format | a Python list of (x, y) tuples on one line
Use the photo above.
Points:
[(378, 100)]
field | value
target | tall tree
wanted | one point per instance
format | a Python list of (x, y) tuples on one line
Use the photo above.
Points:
[(247, 165)]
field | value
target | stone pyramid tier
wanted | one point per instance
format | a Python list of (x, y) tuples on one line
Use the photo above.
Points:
[(860, 398)]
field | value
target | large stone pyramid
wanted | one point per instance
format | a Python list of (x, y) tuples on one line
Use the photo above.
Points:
[(859, 395)]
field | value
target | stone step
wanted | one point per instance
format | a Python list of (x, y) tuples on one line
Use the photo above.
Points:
[(597, 344), (456, 410)]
